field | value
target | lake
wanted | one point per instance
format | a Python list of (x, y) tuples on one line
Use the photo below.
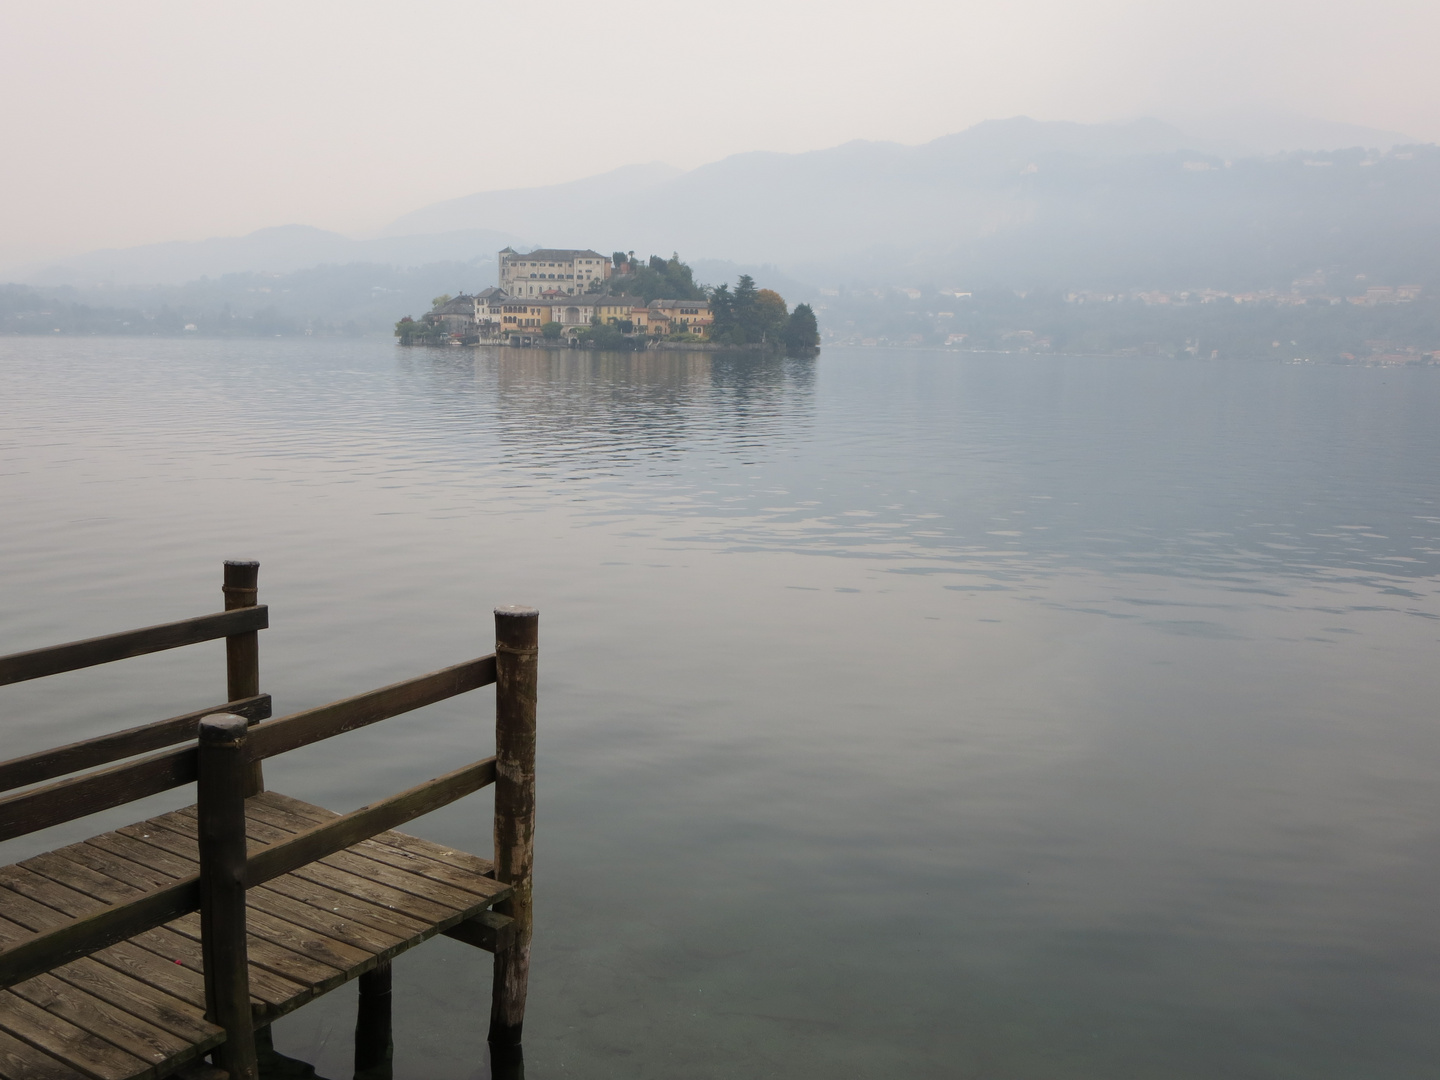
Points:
[(901, 713)]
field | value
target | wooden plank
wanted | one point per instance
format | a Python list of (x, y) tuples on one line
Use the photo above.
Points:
[(61, 938), (354, 909), (35, 917), (443, 873), (47, 764), (488, 930), (426, 888), (294, 967), (139, 998), (182, 850), (78, 1048), (12, 933), (459, 872), (312, 905), (124, 1029), (320, 840), (81, 878), (405, 903), (19, 1061), (329, 926), (462, 860), (50, 893), (302, 728), (113, 866), (268, 988), (53, 659), (142, 854), (66, 800), (432, 881), (274, 800), (148, 967)]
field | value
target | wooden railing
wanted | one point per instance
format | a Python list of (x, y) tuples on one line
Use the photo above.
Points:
[(224, 763)]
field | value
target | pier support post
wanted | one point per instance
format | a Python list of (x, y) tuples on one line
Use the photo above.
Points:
[(220, 808), (242, 651), (516, 666), (374, 1040)]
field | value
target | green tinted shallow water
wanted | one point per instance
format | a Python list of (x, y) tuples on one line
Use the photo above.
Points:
[(902, 714)]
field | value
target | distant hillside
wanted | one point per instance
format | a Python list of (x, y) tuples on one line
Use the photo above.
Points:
[(531, 211), (1024, 204), (356, 298), (280, 250), (1018, 204)]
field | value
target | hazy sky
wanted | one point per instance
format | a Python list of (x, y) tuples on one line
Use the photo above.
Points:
[(130, 123)]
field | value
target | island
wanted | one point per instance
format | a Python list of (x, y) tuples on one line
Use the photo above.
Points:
[(574, 298)]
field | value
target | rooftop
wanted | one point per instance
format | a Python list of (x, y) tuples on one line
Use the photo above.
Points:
[(556, 255)]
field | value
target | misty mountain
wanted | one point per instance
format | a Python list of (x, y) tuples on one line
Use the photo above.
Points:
[(1012, 203), (1257, 132), (283, 249), (536, 207), (1019, 202)]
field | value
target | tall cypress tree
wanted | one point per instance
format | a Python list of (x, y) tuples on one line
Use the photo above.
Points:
[(747, 320), (802, 332), (722, 313)]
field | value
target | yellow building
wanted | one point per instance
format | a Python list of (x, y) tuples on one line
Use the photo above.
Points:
[(523, 315), (614, 309), (684, 316)]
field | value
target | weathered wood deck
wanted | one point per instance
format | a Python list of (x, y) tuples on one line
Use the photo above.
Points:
[(137, 1009), (104, 944)]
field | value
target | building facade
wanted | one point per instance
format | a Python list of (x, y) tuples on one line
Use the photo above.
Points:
[(558, 271)]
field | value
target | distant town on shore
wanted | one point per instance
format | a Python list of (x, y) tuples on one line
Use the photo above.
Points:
[(572, 297)]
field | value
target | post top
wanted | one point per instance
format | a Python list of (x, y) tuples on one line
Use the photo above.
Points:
[(242, 562), (517, 611), (222, 727)]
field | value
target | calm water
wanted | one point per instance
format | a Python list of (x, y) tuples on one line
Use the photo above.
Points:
[(901, 714)]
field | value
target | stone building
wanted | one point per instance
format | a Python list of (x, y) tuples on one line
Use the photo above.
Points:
[(560, 271)]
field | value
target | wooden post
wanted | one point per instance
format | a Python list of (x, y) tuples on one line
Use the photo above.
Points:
[(242, 651), (221, 818), (516, 655), (374, 1042)]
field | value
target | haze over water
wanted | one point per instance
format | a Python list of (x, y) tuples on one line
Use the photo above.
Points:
[(902, 714)]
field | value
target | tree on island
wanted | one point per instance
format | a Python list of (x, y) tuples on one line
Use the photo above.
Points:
[(411, 332), (747, 315), (660, 278), (801, 331)]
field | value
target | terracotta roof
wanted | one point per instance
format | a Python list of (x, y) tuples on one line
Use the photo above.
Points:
[(559, 255)]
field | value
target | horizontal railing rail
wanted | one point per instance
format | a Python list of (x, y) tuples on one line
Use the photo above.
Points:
[(103, 749), (111, 925), (54, 659), (77, 797), (325, 721)]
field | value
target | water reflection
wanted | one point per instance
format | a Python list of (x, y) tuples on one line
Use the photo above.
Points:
[(575, 413)]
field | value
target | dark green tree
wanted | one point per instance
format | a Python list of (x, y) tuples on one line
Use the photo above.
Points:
[(801, 331), (658, 278)]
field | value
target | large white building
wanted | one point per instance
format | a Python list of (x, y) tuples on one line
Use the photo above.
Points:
[(551, 270)]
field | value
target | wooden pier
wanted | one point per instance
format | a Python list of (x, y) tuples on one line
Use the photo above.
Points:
[(137, 952)]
